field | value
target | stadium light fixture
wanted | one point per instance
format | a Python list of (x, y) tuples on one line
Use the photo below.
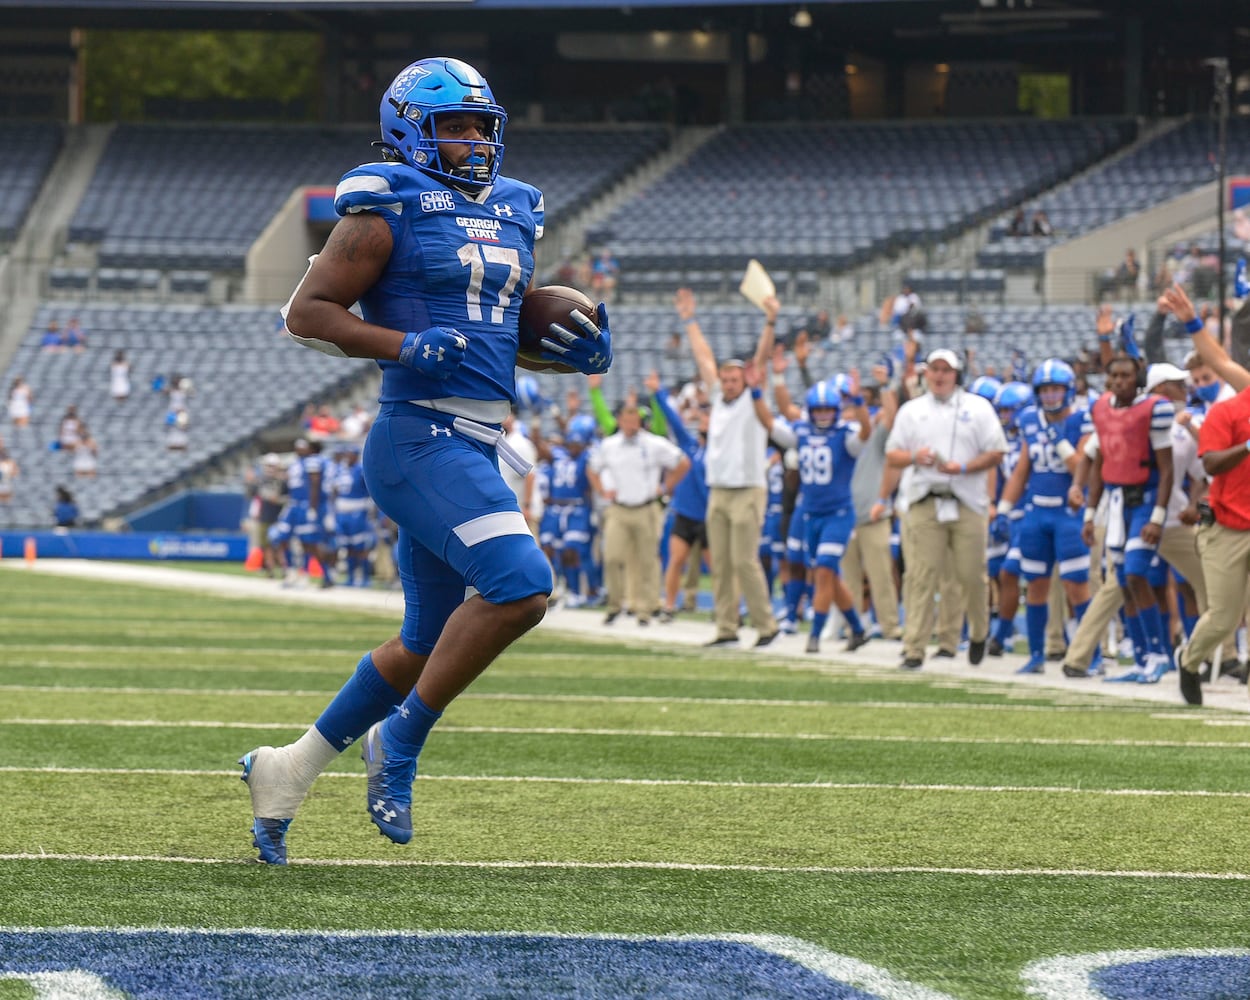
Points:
[(801, 18)]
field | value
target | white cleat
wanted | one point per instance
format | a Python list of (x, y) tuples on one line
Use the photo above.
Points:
[(277, 790)]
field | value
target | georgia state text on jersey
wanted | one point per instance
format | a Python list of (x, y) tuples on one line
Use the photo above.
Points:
[(456, 262)]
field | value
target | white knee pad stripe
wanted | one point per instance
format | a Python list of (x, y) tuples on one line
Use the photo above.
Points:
[(488, 526)]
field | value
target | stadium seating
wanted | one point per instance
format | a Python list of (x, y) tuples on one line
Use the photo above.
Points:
[(1158, 170), (247, 376), (27, 152), (836, 195), (194, 198)]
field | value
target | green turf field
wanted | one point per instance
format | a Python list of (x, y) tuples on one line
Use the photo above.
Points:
[(950, 833)]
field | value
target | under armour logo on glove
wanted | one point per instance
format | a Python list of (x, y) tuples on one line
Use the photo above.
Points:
[(590, 352), (435, 353)]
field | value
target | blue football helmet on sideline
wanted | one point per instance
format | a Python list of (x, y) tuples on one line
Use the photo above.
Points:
[(823, 395), (1053, 371), (528, 395), (985, 386), (432, 87), (581, 429), (1011, 399)]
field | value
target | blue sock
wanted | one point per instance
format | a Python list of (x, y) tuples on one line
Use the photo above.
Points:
[(572, 579), (366, 698), (1036, 616), (409, 727), (1153, 626), (818, 622), (794, 594), (1165, 622), (852, 620), (1004, 629), (770, 575), (1137, 632)]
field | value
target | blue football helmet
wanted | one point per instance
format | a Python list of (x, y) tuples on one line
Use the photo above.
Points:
[(581, 429), (1011, 399), (823, 395), (986, 386), (528, 395), (433, 87), (1052, 371)]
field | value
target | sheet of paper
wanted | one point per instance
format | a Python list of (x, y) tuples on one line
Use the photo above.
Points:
[(756, 284)]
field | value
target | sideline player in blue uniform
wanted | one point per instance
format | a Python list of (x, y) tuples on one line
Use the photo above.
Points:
[(565, 529), (354, 531), (827, 448), (437, 247), (1014, 403), (1050, 530)]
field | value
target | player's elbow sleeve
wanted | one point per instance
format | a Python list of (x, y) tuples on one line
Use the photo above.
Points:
[(316, 344)]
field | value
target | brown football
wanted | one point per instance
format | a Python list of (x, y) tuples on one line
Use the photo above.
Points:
[(546, 305)]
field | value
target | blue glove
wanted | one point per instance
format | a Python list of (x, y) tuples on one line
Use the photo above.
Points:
[(1127, 338), (589, 352), (435, 353), (1000, 528)]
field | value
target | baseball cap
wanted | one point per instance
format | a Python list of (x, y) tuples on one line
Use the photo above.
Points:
[(947, 355), (1157, 374)]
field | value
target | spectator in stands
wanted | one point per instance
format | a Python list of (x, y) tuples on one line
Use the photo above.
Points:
[(70, 429), (843, 330), (603, 275), (177, 423), (674, 347), (1041, 225), (65, 510), (52, 342), (324, 424), (20, 400), (817, 326), (896, 310), (431, 457), (74, 336), (356, 424), (1019, 225), (119, 377), (86, 454), (1123, 280), (8, 474), (736, 476)]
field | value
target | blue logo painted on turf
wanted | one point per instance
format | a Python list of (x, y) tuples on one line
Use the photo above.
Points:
[(204, 964), (1194, 974)]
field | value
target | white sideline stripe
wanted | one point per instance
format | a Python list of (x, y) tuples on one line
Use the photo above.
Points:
[(660, 734), (597, 699), (1067, 977), (850, 786), (681, 866)]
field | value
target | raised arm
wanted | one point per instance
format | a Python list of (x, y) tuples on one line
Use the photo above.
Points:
[(1208, 348), (704, 359)]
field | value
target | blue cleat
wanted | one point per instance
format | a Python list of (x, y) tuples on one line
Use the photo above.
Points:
[(268, 835), (1035, 665), (390, 786), (1131, 676), (1157, 664)]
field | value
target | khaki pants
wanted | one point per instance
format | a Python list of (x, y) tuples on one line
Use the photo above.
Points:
[(868, 555), (734, 519), (631, 563), (949, 609), (1225, 566), (1176, 547), (955, 550)]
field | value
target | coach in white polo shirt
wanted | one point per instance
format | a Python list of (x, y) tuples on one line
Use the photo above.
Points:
[(735, 460), (952, 438), (640, 466)]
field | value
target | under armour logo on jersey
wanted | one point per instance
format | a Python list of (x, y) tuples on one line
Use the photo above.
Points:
[(428, 352), (436, 430), (502, 210)]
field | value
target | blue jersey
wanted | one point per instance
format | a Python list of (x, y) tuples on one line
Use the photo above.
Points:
[(348, 483), (1049, 478), (569, 483), (776, 481), (455, 262), (826, 462), (298, 474)]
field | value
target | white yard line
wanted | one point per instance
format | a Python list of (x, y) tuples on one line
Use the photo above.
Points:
[(658, 734), (837, 786), (633, 865)]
